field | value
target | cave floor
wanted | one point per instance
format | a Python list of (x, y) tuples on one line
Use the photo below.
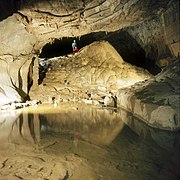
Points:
[(78, 141)]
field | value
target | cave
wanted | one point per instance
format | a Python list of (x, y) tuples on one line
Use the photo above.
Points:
[(114, 103)]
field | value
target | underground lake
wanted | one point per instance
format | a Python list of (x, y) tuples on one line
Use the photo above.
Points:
[(79, 141)]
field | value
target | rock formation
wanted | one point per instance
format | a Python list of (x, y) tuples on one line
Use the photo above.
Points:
[(155, 101), (97, 67)]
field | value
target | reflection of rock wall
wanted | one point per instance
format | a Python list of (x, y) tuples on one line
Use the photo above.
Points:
[(165, 139), (19, 128), (98, 126), (7, 120)]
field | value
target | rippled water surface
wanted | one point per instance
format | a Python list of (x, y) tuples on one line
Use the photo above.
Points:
[(77, 141)]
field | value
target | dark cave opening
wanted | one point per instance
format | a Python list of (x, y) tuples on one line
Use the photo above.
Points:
[(63, 46), (125, 45)]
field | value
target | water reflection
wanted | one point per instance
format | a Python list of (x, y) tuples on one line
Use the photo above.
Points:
[(117, 143), (19, 128), (95, 125), (98, 126)]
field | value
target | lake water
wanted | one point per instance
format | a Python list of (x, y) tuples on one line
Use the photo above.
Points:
[(77, 141)]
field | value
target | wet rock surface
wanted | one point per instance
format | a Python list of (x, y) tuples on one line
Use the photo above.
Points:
[(156, 101)]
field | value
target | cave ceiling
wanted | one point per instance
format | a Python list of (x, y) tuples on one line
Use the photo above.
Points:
[(54, 19)]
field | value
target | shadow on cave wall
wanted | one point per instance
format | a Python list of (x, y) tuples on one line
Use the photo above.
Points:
[(8, 7), (125, 45), (132, 52)]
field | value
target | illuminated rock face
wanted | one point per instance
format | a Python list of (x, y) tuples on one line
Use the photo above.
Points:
[(54, 19), (97, 67), (156, 101), (13, 82), (15, 58)]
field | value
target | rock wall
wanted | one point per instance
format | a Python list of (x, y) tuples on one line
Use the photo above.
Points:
[(52, 19), (170, 23), (15, 40), (159, 37), (13, 81), (15, 58), (156, 101)]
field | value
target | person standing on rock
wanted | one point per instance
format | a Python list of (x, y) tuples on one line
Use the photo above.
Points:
[(74, 46)]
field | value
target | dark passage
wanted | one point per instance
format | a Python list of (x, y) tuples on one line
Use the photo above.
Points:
[(132, 52), (64, 46)]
